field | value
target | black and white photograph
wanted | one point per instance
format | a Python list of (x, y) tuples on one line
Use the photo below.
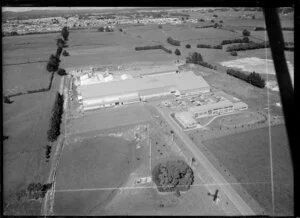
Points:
[(156, 111)]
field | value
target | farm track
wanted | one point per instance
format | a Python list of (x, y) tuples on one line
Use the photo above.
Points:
[(47, 207)]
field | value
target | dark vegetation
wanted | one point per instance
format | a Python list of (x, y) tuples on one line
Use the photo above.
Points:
[(205, 26), (48, 152), (4, 137), (231, 41), (60, 43), (58, 52), (233, 53), (282, 28), (65, 33), (7, 100), (196, 58), (56, 116), (34, 191), (188, 46), (172, 41), (177, 52), (53, 63), (149, 47), (173, 175), (65, 53), (246, 32), (61, 72), (209, 46), (248, 46), (201, 20), (252, 78), (160, 26)]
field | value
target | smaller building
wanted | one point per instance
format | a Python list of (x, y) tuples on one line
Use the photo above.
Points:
[(186, 119)]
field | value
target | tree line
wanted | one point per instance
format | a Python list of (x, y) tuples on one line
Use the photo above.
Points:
[(152, 47), (252, 78), (196, 58), (172, 41)]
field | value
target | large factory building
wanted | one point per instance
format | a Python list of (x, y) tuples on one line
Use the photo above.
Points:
[(140, 89)]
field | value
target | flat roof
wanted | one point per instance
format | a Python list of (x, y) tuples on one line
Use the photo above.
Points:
[(181, 81), (219, 104)]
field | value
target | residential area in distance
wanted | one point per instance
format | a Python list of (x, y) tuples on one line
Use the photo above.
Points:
[(144, 111)]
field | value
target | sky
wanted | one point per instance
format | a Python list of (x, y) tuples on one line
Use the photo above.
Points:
[(21, 9)]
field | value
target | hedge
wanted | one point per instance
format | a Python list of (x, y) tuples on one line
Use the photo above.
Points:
[(231, 41), (56, 117), (172, 41), (253, 78), (248, 46), (149, 47)]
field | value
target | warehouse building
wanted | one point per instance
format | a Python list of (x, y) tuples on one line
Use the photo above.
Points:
[(140, 89), (186, 119), (217, 108)]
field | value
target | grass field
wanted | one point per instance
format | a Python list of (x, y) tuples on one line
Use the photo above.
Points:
[(26, 122), (250, 150), (109, 118), (15, 77)]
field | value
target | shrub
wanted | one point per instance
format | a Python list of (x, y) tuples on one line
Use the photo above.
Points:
[(221, 21), (60, 43), (215, 15), (172, 41), (37, 190), (188, 46), (4, 137), (65, 33), (258, 28), (58, 52), (120, 30), (7, 100), (173, 175), (65, 53), (101, 29), (203, 46), (201, 20), (233, 53), (160, 26), (212, 21), (61, 72), (246, 32), (177, 52)]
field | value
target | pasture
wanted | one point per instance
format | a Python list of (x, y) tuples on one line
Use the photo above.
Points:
[(109, 118), (250, 150), (26, 122)]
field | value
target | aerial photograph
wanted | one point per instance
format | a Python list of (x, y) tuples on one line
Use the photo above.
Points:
[(144, 111)]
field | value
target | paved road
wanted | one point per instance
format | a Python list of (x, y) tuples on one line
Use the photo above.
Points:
[(234, 197)]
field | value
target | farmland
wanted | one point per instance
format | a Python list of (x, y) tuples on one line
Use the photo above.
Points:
[(251, 150)]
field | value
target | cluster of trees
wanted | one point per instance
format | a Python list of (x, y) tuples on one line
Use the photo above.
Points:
[(56, 116), (209, 46), (172, 41), (196, 58), (246, 32), (106, 29), (231, 41), (53, 63), (48, 151), (61, 72), (151, 47), (248, 46), (173, 175), (233, 53), (37, 190), (65, 53), (252, 78), (177, 52), (65, 33)]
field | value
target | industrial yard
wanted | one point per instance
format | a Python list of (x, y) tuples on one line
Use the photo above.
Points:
[(126, 111)]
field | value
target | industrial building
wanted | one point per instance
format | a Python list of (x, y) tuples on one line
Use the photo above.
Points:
[(186, 119), (140, 89)]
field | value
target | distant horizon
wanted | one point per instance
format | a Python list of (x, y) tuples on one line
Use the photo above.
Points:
[(25, 9)]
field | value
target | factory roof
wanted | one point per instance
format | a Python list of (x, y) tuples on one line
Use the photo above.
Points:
[(215, 105), (182, 81)]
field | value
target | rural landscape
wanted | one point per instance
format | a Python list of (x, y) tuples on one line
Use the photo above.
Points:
[(144, 111)]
